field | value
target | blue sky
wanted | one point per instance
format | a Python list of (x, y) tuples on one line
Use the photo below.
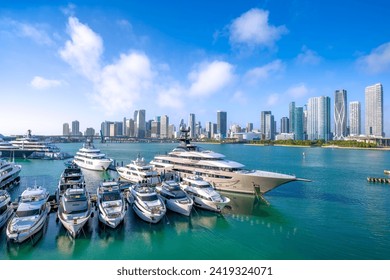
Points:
[(100, 60)]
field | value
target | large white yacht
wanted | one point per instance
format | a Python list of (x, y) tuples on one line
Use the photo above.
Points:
[(226, 175), (30, 216), (138, 171), (203, 194), (71, 178), (9, 173), (111, 203), (174, 197), (89, 157), (7, 150), (146, 204), (5, 208)]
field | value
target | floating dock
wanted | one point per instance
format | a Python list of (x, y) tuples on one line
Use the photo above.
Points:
[(378, 180)]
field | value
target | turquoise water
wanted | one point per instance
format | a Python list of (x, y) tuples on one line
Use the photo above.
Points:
[(337, 216)]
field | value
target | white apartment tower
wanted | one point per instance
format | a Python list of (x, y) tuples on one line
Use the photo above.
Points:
[(354, 118), (374, 110), (318, 118)]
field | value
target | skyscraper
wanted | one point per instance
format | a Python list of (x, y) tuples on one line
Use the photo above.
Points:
[(164, 126), (75, 128), (284, 125), (340, 114), (354, 118), (318, 118), (141, 124), (222, 123), (191, 124), (298, 125), (65, 129), (374, 110), (263, 122), (267, 125), (291, 116)]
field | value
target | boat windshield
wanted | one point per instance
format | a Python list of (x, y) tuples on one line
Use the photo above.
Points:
[(202, 186), (111, 196), (27, 213), (152, 197), (75, 196)]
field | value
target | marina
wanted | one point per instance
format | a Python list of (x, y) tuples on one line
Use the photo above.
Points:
[(336, 216)]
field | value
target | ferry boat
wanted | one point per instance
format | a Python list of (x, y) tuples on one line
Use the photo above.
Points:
[(30, 216), (138, 171), (5, 208), (225, 175), (203, 194), (174, 197), (89, 157), (111, 203), (146, 204), (9, 173)]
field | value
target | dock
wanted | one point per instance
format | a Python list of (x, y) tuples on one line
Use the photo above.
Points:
[(378, 180)]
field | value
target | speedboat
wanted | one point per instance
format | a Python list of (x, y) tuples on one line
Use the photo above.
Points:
[(74, 210), (89, 157), (30, 216), (138, 171), (9, 173), (175, 198), (223, 174), (71, 177), (203, 194), (146, 204), (5, 209), (112, 207)]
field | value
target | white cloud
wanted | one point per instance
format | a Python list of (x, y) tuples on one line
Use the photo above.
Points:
[(273, 99), (41, 83), (263, 72), (239, 97), (308, 57), (84, 50), (378, 60), (298, 91), (210, 78), (35, 32), (122, 83), (171, 97), (252, 28)]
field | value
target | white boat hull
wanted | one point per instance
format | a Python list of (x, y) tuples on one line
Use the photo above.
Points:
[(210, 205), (177, 206), (73, 223), (5, 216), (147, 216), (96, 165)]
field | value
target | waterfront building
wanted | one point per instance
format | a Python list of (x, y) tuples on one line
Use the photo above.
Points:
[(222, 123), (164, 124), (249, 127), (89, 132), (267, 125), (284, 125), (65, 129), (298, 124), (291, 116), (305, 121), (191, 124), (318, 118), (214, 130), (75, 128), (105, 128), (155, 129), (340, 114), (209, 129), (171, 130), (285, 136), (374, 110), (354, 118), (141, 124)]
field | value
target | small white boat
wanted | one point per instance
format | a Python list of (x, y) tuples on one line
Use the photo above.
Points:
[(112, 206), (138, 171), (386, 172), (30, 216), (146, 204), (5, 209), (203, 194), (175, 198), (74, 210)]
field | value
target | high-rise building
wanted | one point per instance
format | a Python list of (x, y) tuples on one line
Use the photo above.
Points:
[(105, 128), (89, 132), (340, 114), (65, 129), (284, 125), (75, 128), (318, 118), (354, 118), (267, 125), (263, 122), (249, 127), (291, 117), (222, 123), (209, 129), (298, 125), (374, 110), (164, 126), (155, 129), (141, 124), (192, 124)]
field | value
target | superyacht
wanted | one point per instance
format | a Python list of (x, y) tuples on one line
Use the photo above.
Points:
[(139, 171), (9, 173), (226, 175), (89, 157), (7, 150)]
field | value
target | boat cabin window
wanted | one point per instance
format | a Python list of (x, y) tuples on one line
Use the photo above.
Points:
[(3, 208), (149, 198), (75, 196), (111, 196), (27, 213)]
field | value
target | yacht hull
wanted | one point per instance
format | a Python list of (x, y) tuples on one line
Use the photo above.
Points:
[(73, 223), (147, 216), (93, 165), (178, 206), (5, 216)]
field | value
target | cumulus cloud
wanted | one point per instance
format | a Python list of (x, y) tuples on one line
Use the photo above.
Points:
[(171, 97), (308, 57), (298, 91), (252, 29), (263, 72), (377, 61), (41, 83), (83, 50), (210, 78)]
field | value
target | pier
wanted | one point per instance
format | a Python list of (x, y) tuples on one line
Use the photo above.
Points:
[(378, 180)]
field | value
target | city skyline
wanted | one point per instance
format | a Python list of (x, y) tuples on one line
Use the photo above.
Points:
[(94, 62)]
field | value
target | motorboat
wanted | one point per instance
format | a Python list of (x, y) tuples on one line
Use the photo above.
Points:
[(91, 158), (30, 216), (138, 171), (174, 197), (203, 194), (111, 203), (9, 173), (72, 177), (5, 208), (146, 204), (74, 210), (226, 175)]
